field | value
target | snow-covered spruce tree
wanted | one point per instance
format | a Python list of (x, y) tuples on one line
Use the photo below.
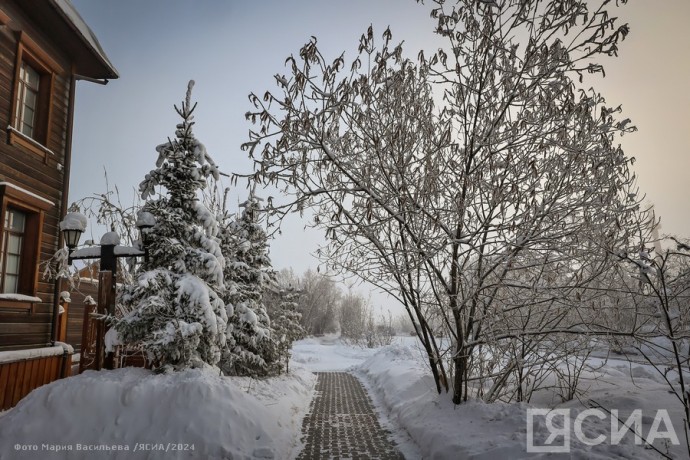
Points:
[(480, 183), (177, 312), (247, 272), (285, 322)]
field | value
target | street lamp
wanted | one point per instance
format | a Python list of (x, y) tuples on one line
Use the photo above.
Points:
[(72, 226), (109, 250), (145, 221), (72, 237)]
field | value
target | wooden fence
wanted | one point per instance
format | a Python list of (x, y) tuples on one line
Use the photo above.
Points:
[(22, 372)]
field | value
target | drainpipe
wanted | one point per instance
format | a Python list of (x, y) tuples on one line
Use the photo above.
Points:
[(63, 201)]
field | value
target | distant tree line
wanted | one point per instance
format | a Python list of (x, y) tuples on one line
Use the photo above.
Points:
[(326, 308)]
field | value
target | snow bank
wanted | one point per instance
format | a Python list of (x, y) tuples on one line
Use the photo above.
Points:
[(243, 418), (135, 414), (405, 392)]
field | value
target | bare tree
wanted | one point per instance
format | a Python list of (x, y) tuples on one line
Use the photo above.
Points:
[(353, 316), (318, 303), (360, 325), (656, 290), (479, 185)]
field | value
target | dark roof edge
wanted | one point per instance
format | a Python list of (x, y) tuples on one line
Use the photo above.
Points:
[(74, 19)]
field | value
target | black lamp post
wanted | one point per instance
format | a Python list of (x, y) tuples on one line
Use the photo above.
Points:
[(72, 236), (72, 226), (145, 221)]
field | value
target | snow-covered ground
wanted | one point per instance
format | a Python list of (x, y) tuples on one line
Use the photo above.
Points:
[(406, 392), (135, 414), (246, 418), (429, 426)]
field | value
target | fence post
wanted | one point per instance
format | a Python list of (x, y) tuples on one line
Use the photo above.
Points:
[(66, 368), (63, 315)]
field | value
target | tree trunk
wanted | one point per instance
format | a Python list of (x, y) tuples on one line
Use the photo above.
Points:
[(460, 365)]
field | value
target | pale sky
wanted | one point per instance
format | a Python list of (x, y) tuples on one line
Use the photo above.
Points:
[(233, 47)]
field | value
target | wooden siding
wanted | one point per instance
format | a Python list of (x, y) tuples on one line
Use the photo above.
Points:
[(19, 378), (42, 175), (29, 33)]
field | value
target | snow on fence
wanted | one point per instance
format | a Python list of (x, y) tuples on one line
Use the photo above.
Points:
[(21, 371)]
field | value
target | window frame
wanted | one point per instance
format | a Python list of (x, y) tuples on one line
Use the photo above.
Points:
[(26, 87), (6, 252), (34, 209), (30, 54)]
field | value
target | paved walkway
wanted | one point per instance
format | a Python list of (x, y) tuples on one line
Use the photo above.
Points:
[(342, 424)]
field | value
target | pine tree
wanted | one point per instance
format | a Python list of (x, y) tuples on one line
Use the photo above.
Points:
[(247, 272), (177, 311)]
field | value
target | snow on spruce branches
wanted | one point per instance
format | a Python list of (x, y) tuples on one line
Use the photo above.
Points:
[(197, 300), (248, 272), (177, 311)]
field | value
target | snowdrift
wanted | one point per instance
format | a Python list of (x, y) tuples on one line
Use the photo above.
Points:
[(135, 414), (405, 394), (242, 418)]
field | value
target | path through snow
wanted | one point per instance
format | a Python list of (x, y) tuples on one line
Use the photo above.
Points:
[(341, 422), (428, 425)]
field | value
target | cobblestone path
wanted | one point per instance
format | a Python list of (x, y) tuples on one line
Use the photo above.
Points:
[(342, 423)]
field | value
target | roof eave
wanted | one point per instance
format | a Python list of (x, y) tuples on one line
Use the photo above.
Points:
[(72, 17)]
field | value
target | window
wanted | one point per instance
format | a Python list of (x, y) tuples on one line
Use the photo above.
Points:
[(11, 253), (31, 110), (27, 99), (21, 222)]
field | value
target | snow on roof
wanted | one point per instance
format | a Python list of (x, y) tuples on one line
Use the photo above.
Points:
[(71, 15)]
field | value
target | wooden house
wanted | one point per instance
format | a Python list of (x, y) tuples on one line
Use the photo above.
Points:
[(45, 48)]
